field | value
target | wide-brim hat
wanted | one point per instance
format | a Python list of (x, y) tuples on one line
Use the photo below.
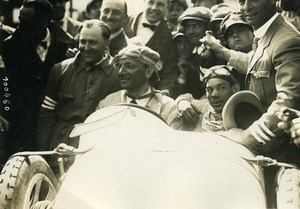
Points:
[(241, 110)]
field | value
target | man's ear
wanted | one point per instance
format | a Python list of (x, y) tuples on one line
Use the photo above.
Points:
[(149, 72), (236, 88)]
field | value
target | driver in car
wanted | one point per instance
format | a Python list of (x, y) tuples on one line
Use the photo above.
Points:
[(205, 114), (138, 69)]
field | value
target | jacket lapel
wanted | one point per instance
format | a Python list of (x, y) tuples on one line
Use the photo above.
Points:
[(265, 42)]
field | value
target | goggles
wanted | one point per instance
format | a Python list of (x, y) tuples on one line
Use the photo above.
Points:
[(221, 71)]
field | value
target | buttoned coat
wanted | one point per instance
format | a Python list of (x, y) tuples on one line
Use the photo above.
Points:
[(74, 92), (274, 75)]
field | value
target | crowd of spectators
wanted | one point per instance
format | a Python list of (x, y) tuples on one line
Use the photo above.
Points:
[(183, 61)]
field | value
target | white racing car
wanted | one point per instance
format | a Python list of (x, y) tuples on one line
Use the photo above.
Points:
[(130, 158)]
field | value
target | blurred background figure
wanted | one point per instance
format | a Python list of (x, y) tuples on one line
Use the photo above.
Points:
[(5, 30), (62, 19), (187, 77), (176, 8), (206, 3), (29, 54), (92, 11), (290, 9), (114, 14), (219, 11)]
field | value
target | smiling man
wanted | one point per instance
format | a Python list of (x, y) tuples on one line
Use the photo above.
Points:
[(114, 14), (272, 73), (75, 87), (205, 114), (138, 66)]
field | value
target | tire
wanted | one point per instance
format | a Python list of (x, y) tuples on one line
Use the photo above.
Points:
[(288, 190), (25, 181)]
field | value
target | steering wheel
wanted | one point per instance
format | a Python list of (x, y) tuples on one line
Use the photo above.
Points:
[(143, 108)]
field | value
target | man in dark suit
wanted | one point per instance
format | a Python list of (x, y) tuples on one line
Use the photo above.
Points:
[(151, 29), (28, 54), (114, 14)]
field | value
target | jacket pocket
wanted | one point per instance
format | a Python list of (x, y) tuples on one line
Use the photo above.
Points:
[(261, 73)]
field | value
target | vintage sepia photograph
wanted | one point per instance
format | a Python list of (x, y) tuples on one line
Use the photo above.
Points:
[(150, 104)]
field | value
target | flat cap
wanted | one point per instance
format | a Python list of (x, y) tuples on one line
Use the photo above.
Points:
[(202, 14), (179, 32), (219, 11), (144, 55), (233, 19), (183, 3)]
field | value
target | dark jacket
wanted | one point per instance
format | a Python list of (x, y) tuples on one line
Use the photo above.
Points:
[(118, 43), (74, 92), (23, 86)]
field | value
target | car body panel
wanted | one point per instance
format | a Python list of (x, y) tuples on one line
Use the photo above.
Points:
[(137, 161)]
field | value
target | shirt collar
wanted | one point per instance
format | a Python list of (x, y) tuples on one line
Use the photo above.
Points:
[(113, 35), (141, 102), (104, 64), (260, 32), (47, 37)]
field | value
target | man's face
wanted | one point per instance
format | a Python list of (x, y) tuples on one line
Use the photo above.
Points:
[(218, 92), (155, 10), (132, 74), (59, 9), (174, 12), (91, 44), (30, 25), (113, 13), (194, 31), (184, 48), (239, 38), (257, 12)]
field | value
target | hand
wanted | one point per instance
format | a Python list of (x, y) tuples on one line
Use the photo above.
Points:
[(212, 43), (71, 52), (189, 112), (290, 123), (295, 131), (4, 124)]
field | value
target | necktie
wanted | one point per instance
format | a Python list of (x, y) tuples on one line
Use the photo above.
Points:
[(147, 25), (255, 43), (133, 101)]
